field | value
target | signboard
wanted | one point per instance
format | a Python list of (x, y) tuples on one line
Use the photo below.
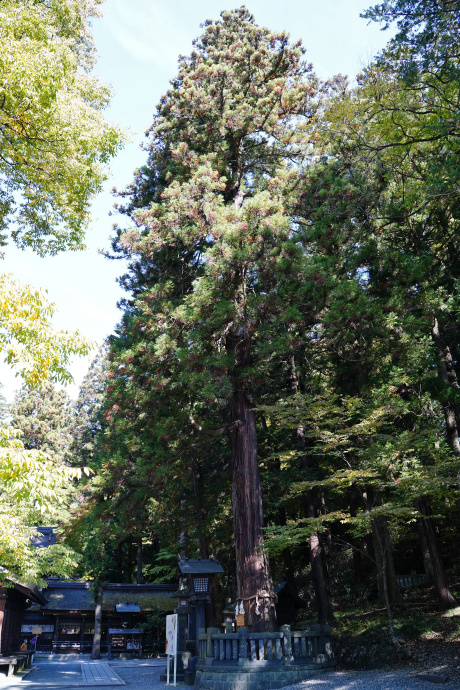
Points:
[(118, 640), (33, 628), (171, 634), (171, 644)]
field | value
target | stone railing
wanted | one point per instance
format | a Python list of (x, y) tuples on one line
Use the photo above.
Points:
[(310, 646)]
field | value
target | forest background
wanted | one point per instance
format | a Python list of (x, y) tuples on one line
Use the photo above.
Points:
[(290, 326)]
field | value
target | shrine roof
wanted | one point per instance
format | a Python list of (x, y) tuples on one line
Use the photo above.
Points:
[(46, 537), (78, 596), (200, 566), (284, 591)]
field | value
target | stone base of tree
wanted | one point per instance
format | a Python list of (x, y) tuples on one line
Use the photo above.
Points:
[(259, 678)]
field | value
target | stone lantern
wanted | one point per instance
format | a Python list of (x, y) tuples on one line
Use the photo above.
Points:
[(183, 611), (199, 572)]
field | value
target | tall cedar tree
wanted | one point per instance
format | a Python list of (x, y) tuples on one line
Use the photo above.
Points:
[(44, 416), (215, 262), (88, 421)]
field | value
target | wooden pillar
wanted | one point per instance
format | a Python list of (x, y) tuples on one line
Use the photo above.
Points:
[(82, 633), (107, 635), (3, 596), (55, 636), (200, 621)]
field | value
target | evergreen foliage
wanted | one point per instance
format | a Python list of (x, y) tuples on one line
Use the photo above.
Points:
[(87, 420), (44, 416), (292, 314)]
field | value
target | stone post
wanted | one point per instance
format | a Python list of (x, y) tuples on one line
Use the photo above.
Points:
[(288, 657), (209, 650), (243, 645)]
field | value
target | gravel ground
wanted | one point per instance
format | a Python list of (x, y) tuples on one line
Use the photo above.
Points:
[(371, 680), (145, 675)]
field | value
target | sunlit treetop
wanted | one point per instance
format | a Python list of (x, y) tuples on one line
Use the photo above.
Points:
[(235, 104)]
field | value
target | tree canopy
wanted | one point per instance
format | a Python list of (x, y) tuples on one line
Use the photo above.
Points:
[(54, 148), (54, 141), (291, 321)]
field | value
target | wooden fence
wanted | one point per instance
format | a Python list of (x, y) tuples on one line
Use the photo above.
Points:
[(412, 580)]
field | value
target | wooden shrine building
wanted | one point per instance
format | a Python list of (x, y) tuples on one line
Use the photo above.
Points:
[(14, 602), (66, 615)]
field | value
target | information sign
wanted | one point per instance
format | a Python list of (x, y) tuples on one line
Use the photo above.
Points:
[(171, 644), (30, 628)]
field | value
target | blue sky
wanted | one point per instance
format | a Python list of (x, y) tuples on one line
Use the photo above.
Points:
[(138, 43)]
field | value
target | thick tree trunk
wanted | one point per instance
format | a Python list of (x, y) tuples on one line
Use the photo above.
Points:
[(254, 582), (96, 650), (439, 576), (386, 575)]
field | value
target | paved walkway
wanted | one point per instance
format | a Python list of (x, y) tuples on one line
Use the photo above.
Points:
[(145, 675), (65, 674), (100, 673)]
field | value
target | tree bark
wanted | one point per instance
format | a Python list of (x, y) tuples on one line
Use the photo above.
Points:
[(96, 650), (439, 576), (254, 581), (386, 575)]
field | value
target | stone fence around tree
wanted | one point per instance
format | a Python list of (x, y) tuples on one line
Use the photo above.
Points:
[(253, 661)]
